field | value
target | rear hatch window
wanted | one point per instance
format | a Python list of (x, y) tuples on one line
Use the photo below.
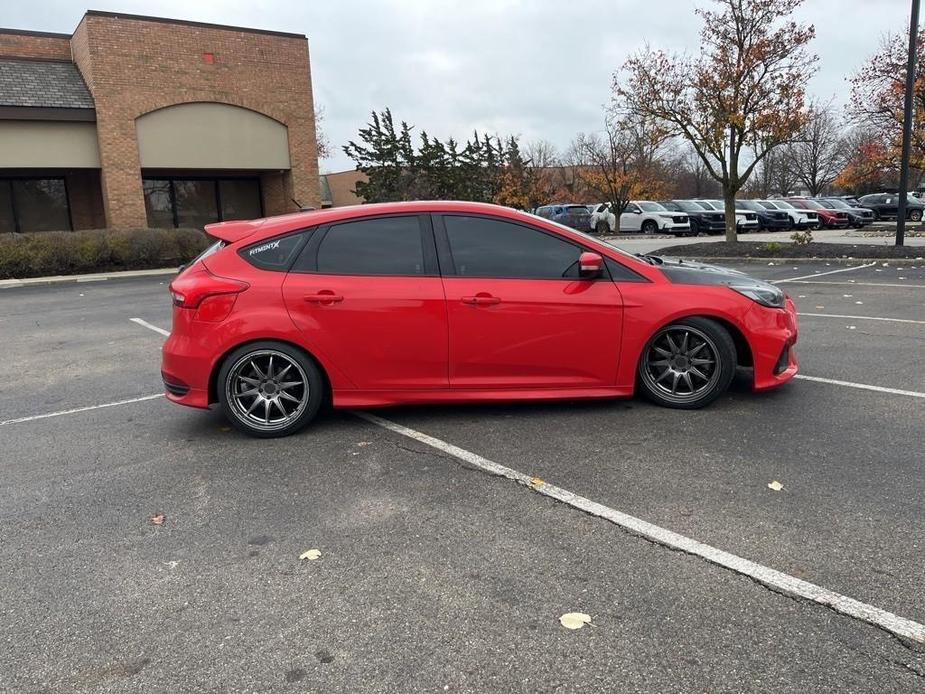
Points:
[(274, 254)]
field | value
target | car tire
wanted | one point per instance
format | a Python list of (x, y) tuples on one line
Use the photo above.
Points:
[(602, 227), (286, 405), (707, 355), (915, 215), (649, 227), (876, 216)]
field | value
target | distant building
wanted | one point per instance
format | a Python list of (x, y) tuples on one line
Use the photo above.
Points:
[(340, 187), (138, 121)]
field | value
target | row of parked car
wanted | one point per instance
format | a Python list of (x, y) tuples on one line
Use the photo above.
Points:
[(693, 217)]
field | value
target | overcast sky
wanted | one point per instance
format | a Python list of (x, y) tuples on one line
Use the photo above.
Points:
[(535, 68)]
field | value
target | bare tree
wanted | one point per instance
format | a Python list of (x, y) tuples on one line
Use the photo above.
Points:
[(774, 175), (321, 139), (818, 153)]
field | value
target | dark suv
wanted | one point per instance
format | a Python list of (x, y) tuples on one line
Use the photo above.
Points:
[(575, 216), (702, 220), (886, 206), (768, 219)]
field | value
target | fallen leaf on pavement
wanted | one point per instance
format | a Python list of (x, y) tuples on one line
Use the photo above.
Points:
[(364, 443), (158, 519), (536, 481), (311, 554), (574, 620), (775, 485)]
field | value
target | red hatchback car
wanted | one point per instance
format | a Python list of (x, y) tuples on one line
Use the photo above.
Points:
[(430, 302)]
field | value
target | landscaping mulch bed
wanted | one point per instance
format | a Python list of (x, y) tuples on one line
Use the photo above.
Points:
[(762, 249)]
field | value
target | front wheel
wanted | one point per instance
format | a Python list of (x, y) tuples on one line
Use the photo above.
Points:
[(915, 215), (687, 364), (649, 227), (269, 389)]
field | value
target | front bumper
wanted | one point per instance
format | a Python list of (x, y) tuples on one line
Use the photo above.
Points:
[(773, 334), (774, 223)]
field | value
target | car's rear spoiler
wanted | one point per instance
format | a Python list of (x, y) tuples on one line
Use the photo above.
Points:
[(230, 232)]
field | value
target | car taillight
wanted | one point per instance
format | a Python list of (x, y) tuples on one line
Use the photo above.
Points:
[(191, 289)]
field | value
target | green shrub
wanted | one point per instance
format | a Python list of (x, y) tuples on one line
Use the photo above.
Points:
[(802, 238), (96, 250), (773, 246)]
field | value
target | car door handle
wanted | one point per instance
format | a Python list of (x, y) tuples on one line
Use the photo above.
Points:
[(481, 300), (323, 297)]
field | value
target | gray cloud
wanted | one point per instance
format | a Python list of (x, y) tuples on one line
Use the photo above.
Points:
[(537, 69)]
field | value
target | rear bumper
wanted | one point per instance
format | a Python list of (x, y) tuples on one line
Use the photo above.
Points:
[(185, 368), (773, 334)]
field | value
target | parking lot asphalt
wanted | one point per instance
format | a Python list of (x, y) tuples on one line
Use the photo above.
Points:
[(435, 576)]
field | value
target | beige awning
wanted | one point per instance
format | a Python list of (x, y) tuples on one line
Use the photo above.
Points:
[(206, 135), (32, 144)]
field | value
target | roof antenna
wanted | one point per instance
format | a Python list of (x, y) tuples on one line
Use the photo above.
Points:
[(301, 207)]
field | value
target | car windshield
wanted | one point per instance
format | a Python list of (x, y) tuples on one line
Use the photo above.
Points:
[(750, 205), (768, 205), (840, 204), (827, 204), (690, 206), (651, 207), (782, 205), (708, 204)]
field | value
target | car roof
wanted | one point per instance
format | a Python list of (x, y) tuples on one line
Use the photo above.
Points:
[(270, 226)]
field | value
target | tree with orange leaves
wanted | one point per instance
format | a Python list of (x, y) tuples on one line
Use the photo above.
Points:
[(877, 93), (870, 162), (619, 164), (742, 97)]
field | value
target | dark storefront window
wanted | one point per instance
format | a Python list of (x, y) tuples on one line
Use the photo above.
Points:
[(240, 199), (195, 202), (158, 203), (34, 204)]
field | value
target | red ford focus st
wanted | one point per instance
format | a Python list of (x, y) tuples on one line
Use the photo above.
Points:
[(429, 302)]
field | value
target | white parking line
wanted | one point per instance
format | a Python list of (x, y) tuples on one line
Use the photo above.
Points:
[(840, 315), (146, 324), (19, 420), (852, 283), (861, 386), (770, 577), (821, 274)]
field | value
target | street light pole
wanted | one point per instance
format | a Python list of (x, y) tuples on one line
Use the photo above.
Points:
[(907, 124)]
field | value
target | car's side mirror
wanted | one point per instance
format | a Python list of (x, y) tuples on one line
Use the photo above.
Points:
[(590, 265)]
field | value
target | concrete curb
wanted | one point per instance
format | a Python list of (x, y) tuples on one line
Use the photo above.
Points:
[(797, 261), (96, 277)]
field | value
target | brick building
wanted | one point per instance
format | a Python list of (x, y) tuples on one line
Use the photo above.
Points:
[(138, 121)]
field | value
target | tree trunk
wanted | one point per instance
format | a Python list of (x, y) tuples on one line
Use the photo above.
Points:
[(729, 200)]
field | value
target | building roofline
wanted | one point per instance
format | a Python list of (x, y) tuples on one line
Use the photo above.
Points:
[(29, 32), (183, 22)]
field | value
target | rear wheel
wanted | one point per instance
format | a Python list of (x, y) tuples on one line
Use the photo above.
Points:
[(915, 215), (649, 227), (687, 364), (269, 389)]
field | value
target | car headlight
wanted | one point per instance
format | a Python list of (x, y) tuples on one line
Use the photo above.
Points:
[(764, 294)]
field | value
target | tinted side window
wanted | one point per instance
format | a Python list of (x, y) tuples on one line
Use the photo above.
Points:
[(483, 247), (382, 246), (274, 254)]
